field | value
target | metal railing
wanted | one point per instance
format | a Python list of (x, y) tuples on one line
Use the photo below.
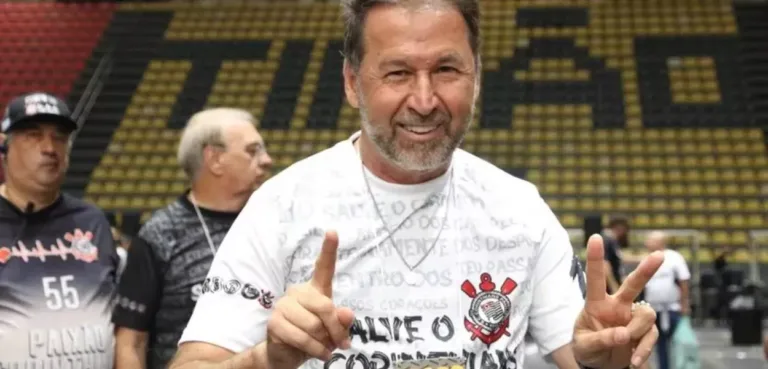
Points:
[(93, 89)]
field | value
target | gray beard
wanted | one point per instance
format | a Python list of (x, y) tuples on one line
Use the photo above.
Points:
[(417, 157)]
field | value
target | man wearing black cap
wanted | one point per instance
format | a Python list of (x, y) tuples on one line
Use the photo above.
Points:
[(57, 256)]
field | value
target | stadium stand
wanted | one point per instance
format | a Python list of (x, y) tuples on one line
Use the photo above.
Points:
[(653, 109), (46, 46)]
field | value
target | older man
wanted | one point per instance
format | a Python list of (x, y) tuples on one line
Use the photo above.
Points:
[(667, 292), (58, 262), (395, 249), (225, 160)]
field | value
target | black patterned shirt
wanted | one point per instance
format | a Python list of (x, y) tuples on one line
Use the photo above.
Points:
[(167, 264)]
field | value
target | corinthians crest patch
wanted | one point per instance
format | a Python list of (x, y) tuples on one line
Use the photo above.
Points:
[(488, 315)]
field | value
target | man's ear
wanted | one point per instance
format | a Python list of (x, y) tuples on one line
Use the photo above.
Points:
[(350, 82), (212, 160)]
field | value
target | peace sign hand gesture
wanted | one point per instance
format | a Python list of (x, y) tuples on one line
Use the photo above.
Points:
[(611, 330)]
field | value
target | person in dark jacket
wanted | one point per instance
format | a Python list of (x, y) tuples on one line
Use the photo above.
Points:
[(615, 237), (57, 255)]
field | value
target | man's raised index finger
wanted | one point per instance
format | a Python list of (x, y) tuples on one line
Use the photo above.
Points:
[(325, 266), (596, 285)]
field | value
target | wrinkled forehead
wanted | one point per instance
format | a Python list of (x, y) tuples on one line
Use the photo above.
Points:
[(420, 33)]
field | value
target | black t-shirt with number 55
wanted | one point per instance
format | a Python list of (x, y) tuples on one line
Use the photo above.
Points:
[(58, 280)]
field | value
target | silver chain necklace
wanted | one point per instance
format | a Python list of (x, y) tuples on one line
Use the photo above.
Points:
[(202, 222), (412, 278)]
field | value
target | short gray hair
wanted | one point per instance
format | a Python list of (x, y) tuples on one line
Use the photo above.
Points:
[(205, 128), (354, 13)]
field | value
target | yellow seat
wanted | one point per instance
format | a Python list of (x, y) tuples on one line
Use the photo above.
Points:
[(150, 174), (568, 189), (749, 190), (678, 205), (731, 189), (741, 255), (733, 205), (569, 204), (680, 221), (715, 205), (551, 188), (737, 221), (752, 205), (160, 187), (120, 202), (554, 203), (659, 204), (144, 188), (717, 221), (698, 221), (587, 204), (642, 221), (762, 175), (756, 221), (127, 188), (178, 187), (640, 189), (105, 202), (94, 188), (641, 205), (155, 202), (587, 189), (110, 187), (623, 189), (138, 202), (604, 204), (570, 220), (661, 221), (167, 173), (721, 237)]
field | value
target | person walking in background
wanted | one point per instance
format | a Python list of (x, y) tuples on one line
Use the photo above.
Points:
[(615, 237), (225, 160), (668, 293), (721, 268), (58, 263)]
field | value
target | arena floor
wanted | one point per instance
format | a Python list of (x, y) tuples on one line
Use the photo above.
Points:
[(716, 353)]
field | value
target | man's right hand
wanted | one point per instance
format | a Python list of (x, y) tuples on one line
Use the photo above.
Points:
[(305, 323)]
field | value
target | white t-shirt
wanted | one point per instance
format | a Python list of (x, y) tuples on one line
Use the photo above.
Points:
[(661, 291), (502, 265)]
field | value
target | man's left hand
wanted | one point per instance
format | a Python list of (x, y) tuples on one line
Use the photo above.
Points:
[(611, 332)]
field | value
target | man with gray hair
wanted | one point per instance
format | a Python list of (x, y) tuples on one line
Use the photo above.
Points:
[(225, 160)]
